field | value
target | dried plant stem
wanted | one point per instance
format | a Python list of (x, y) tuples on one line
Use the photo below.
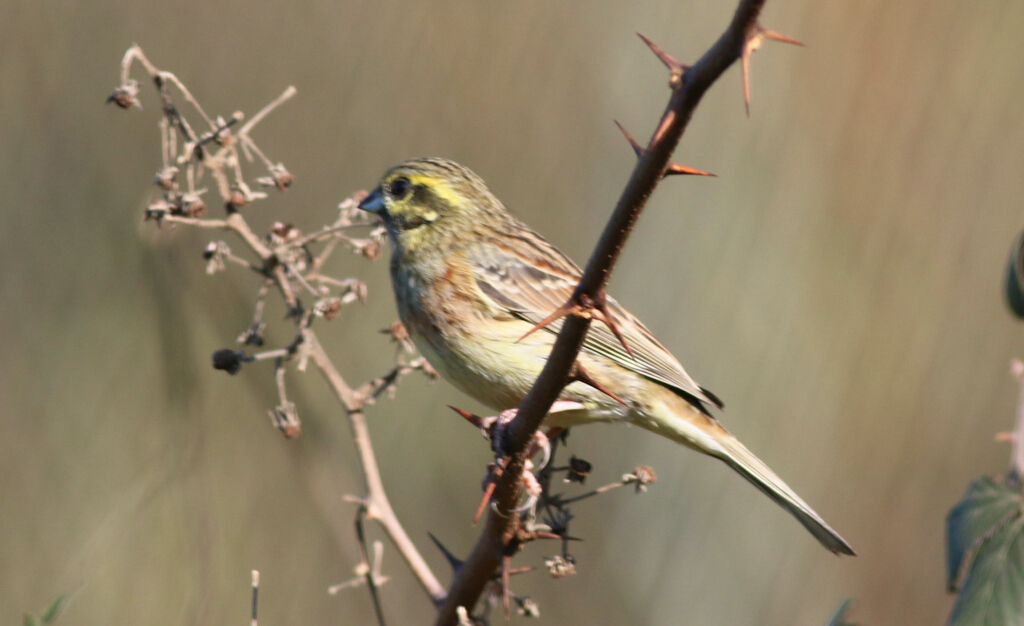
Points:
[(371, 575), (256, 119), (255, 595), (595, 492), (216, 151), (652, 165), (1017, 450), (376, 501)]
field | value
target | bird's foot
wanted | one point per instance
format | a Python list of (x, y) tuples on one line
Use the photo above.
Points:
[(494, 428)]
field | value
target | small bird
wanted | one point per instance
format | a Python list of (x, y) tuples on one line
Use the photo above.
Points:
[(471, 280)]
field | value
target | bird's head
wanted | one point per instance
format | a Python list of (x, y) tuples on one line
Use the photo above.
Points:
[(431, 202)]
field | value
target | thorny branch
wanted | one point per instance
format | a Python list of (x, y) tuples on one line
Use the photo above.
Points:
[(688, 85), (285, 262)]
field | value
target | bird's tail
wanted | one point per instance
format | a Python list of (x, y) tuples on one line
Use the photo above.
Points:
[(698, 431)]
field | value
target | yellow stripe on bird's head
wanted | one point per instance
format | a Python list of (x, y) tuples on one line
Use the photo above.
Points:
[(423, 200)]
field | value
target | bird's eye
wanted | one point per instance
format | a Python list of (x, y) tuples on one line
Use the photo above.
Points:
[(400, 188)]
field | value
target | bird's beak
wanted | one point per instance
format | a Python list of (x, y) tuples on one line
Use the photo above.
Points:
[(374, 203)]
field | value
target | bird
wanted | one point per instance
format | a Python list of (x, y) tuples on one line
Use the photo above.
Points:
[(471, 280)]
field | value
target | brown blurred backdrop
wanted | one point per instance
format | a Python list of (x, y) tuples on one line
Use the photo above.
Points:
[(838, 285)]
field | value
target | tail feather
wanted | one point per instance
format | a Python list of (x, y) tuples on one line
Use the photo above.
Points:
[(736, 456), (697, 430)]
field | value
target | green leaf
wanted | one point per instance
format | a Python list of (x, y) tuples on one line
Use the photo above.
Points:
[(31, 620), (985, 508), (986, 551), (52, 611)]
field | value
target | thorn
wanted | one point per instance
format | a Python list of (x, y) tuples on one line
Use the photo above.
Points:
[(675, 67), (475, 420), (597, 310), (488, 492), (569, 308), (774, 36), (582, 375), (755, 37), (453, 560), (632, 142), (506, 562), (675, 169), (745, 66), (602, 314)]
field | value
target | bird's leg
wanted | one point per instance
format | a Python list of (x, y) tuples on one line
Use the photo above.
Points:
[(494, 428)]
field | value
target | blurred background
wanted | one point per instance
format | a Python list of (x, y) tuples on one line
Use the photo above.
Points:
[(839, 286)]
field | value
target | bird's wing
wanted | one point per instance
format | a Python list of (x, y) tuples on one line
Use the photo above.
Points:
[(524, 274)]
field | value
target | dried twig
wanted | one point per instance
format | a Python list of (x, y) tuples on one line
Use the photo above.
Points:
[(284, 263), (1017, 437), (255, 594), (371, 575)]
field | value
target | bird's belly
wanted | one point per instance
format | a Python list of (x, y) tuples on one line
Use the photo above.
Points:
[(483, 353), (496, 371)]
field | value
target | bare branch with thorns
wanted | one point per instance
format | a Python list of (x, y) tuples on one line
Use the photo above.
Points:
[(291, 263), (688, 84)]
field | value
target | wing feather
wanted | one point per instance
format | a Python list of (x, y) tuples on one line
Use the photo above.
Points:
[(531, 278)]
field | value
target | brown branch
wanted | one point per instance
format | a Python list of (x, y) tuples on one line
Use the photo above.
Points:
[(502, 523)]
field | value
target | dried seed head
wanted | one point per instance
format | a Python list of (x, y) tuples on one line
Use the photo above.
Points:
[(283, 179), (157, 209), (400, 335), (165, 178), (286, 418), (397, 330), (215, 254), (228, 360), (253, 336), (578, 470), (560, 566), (327, 308), (192, 205), (526, 607), (641, 477), (236, 200), (372, 250), (284, 231), (126, 96)]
